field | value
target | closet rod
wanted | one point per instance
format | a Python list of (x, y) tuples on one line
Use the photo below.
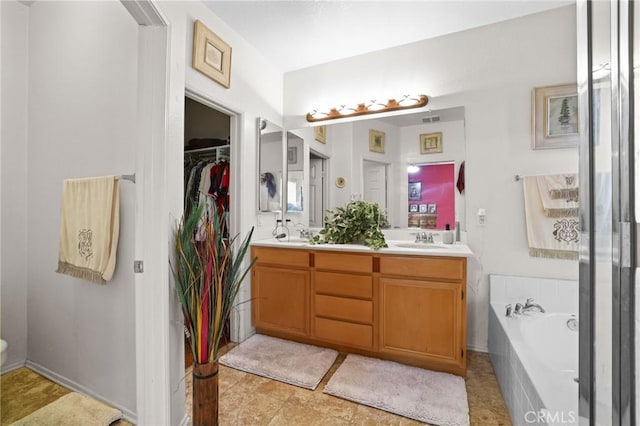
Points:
[(211, 148)]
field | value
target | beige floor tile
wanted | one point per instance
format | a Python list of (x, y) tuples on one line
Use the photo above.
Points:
[(240, 406), (293, 413)]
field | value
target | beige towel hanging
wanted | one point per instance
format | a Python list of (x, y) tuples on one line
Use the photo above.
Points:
[(89, 228), (562, 186), (553, 237), (556, 206)]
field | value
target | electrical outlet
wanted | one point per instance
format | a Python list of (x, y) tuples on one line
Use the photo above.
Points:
[(482, 217)]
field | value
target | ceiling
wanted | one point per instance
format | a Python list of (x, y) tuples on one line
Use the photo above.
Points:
[(301, 33)]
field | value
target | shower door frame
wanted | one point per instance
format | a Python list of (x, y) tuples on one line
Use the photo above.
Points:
[(623, 225)]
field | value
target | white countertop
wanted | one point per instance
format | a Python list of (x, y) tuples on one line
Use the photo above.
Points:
[(395, 247)]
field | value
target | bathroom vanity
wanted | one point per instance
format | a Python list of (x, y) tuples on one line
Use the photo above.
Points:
[(406, 305)]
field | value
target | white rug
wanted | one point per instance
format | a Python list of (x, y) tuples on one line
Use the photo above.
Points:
[(290, 362), (423, 395)]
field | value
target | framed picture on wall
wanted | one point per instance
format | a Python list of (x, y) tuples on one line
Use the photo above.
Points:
[(413, 208), (320, 134), (431, 143), (376, 141), (554, 116), (292, 155), (431, 208), (211, 55), (415, 191), (423, 208)]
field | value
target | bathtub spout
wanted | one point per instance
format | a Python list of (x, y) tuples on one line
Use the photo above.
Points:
[(529, 305)]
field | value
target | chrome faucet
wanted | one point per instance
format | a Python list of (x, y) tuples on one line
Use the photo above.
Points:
[(529, 305), (509, 309), (518, 309), (306, 233), (424, 237)]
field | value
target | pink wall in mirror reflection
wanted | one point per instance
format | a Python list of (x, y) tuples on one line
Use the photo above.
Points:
[(435, 194)]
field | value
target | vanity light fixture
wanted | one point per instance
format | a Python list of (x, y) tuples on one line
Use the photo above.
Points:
[(370, 107)]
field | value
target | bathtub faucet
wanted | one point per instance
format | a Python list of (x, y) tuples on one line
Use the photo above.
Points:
[(529, 305)]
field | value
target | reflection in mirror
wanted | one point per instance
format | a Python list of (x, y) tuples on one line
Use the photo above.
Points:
[(269, 166), (431, 195), (295, 173), (367, 159)]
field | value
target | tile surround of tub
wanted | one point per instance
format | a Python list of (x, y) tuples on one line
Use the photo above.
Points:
[(552, 294), (519, 394)]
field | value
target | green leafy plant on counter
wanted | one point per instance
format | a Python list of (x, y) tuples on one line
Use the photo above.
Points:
[(359, 222)]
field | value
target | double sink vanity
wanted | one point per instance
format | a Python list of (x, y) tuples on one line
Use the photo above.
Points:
[(405, 303)]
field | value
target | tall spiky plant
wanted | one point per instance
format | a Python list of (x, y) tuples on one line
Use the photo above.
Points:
[(207, 278)]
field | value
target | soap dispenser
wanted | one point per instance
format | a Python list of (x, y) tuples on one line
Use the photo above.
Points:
[(447, 235)]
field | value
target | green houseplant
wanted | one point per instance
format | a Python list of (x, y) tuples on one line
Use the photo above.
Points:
[(359, 222), (207, 276)]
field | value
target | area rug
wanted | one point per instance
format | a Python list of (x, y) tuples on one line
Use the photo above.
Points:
[(423, 395), (290, 362), (73, 409)]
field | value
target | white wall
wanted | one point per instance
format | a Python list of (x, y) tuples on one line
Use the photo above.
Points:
[(256, 91), (15, 39), (490, 71), (82, 120)]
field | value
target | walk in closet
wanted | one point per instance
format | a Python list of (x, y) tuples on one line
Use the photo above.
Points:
[(207, 156)]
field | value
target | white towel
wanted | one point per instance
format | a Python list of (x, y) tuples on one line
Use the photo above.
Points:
[(556, 237), (89, 228), (555, 206)]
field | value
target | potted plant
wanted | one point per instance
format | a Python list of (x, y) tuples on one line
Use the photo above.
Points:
[(207, 275), (359, 222)]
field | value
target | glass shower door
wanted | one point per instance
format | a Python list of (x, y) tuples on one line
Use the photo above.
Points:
[(606, 80)]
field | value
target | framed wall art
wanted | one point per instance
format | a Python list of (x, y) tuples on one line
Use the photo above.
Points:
[(554, 117), (211, 55), (431, 143), (292, 155), (415, 191), (320, 134), (376, 141)]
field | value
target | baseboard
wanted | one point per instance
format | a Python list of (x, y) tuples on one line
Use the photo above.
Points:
[(128, 415), (13, 366), (478, 348)]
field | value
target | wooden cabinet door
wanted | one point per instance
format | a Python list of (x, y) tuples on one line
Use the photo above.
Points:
[(280, 299), (421, 319)]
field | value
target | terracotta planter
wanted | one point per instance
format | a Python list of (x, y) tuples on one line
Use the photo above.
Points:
[(205, 394)]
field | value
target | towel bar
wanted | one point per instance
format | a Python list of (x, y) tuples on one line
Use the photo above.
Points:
[(132, 177)]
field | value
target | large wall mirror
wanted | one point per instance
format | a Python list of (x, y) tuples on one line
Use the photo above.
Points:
[(270, 170), (407, 163)]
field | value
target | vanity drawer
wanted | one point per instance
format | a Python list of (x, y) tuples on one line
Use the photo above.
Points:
[(344, 285), (281, 256), (446, 268), (344, 332), (343, 262), (343, 308)]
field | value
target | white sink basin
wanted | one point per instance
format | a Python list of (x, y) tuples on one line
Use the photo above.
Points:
[(422, 246)]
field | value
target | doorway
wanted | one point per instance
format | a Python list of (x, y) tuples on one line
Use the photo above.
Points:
[(374, 182), (317, 189)]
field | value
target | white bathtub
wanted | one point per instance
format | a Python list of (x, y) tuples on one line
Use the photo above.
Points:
[(535, 355)]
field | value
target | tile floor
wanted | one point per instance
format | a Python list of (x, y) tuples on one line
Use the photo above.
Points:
[(246, 399)]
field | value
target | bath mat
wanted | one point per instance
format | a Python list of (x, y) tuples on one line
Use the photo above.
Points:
[(73, 409), (423, 395), (290, 362)]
